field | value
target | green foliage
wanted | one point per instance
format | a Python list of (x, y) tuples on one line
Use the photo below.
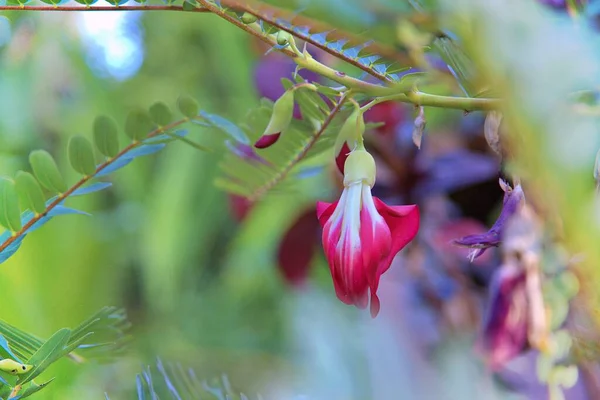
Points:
[(254, 173), (188, 106), (104, 330), (10, 216), (30, 192), (106, 137), (161, 114), (81, 155), (47, 173), (173, 381), (147, 140), (138, 124)]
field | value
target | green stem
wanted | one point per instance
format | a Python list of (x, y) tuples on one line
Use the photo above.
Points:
[(432, 100)]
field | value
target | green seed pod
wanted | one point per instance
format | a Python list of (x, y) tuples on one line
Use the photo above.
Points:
[(348, 137), (106, 136), (81, 155), (283, 110), (283, 38), (10, 213), (45, 170), (248, 18), (14, 368), (30, 192)]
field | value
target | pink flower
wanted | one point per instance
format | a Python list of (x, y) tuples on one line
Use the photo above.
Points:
[(361, 234)]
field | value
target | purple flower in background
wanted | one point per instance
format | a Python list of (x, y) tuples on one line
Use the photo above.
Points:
[(505, 326), (271, 69), (513, 199)]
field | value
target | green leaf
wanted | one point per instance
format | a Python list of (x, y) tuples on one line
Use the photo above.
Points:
[(109, 326), (189, 6), (251, 173), (45, 170), (33, 388), (50, 351), (10, 213), (106, 136), (188, 106), (138, 124), (30, 192), (81, 155), (462, 67), (161, 114)]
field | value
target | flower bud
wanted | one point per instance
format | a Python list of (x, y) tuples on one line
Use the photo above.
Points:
[(283, 110), (359, 167), (248, 18), (283, 38), (348, 138)]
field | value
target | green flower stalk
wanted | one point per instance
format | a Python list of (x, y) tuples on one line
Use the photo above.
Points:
[(349, 137)]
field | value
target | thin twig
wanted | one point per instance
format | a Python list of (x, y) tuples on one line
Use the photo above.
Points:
[(258, 193), (100, 8), (61, 197), (248, 28)]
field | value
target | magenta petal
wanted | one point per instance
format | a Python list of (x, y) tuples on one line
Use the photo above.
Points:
[(403, 222), (324, 211), (375, 238), (340, 158), (267, 140)]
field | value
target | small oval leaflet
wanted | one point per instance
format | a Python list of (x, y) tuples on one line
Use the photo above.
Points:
[(106, 136), (30, 192), (188, 106), (81, 155), (161, 114), (45, 170), (138, 124), (10, 213)]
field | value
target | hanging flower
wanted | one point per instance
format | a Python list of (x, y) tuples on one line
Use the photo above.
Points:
[(513, 200), (504, 333), (361, 234)]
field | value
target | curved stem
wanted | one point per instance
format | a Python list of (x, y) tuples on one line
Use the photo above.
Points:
[(61, 197)]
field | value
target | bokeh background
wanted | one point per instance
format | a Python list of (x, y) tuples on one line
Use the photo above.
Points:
[(218, 285)]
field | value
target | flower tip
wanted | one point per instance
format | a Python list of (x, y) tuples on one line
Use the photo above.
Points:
[(267, 140), (375, 305)]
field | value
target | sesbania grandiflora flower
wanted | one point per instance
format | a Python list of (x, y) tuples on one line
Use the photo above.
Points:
[(361, 234)]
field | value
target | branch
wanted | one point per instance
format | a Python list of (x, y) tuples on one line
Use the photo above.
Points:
[(396, 91), (401, 91), (61, 197), (431, 100), (294, 161), (100, 8)]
